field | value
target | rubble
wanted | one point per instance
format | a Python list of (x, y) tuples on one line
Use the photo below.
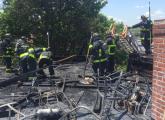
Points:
[(73, 95), (65, 95)]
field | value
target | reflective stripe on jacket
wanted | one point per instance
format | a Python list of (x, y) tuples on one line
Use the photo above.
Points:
[(101, 60), (31, 52), (23, 55), (43, 49), (111, 49), (46, 55), (43, 56), (101, 56), (90, 46), (9, 52)]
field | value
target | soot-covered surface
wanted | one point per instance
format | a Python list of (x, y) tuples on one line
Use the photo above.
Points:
[(56, 97)]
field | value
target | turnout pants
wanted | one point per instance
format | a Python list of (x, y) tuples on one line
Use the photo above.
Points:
[(28, 64), (145, 39), (32, 66), (147, 46), (46, 62), (24, 64), (99, 68), (110, 64), (7, 62)]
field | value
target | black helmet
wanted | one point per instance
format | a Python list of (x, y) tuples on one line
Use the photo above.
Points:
[(96, 37), (143, 17), (7, 38), (97, 44)]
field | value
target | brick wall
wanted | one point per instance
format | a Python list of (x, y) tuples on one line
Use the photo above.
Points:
[(158, 90)]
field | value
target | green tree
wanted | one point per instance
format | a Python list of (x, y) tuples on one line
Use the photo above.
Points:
[(67, 21), (101, 24)]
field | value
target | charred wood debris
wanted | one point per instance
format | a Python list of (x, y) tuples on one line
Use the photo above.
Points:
[(120, 95)]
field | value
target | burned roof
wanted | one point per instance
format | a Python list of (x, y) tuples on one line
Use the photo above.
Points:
[(63, 97)]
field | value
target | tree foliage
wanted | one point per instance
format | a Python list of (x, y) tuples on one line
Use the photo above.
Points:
[(101, 24), (69, 22)]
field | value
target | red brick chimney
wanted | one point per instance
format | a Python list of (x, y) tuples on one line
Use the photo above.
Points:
[(158, 89)]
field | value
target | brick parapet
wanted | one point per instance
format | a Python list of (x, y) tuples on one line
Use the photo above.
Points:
[(158, 82)]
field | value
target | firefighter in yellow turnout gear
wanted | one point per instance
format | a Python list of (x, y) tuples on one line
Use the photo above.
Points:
[(27, 59), (27, 56), (145, 33), (8, 58), (7, 52), (45, 59), (98, 56), (110, 53)]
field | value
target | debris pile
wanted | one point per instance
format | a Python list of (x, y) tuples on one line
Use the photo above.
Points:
[(64, 97)]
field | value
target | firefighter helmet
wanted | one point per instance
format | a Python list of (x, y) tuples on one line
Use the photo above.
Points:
[(95, 35), (7, 38), (143, 17), (7, 34)]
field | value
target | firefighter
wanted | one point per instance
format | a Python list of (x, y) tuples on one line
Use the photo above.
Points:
[(98, 57), (22, 54), (24, 62), (32, 63), (27, 57), (95, 38), (30, 40), (8, 58), (8, 53), (21, 45), (146, 32), (110, 52), (32, 60), (45, 58), (20, 48)]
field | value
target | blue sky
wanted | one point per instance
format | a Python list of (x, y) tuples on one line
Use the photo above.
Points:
[(129, 11)]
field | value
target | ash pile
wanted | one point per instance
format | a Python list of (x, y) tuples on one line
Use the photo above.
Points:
[(69, 95)]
